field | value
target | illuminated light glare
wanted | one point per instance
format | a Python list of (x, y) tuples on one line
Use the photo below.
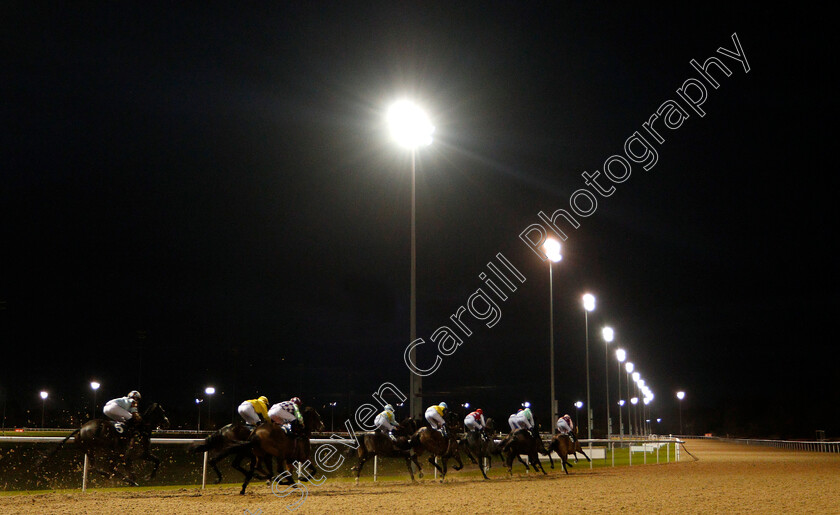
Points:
[(410, 127), (621, 355), (628, 366), (636, 376), (94, 385), (588, 302), (579, 404), (44, 395), (209, 390), (634, 400), (608, 333), (552, 250), (680, 395)]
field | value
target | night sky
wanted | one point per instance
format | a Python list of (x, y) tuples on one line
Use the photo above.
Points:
[(198, 196)]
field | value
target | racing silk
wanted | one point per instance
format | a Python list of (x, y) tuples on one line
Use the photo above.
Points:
[(479, 419), (386, 418), (438, 409), (259, 407), (526, 415), (291, 407), (126, 403)]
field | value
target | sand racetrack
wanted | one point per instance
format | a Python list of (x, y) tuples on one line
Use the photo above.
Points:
[(728, 478)]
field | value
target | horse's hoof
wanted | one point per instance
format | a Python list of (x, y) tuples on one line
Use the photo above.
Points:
[(420, 475)]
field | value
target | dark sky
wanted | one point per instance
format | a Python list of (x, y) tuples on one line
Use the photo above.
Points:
[(204, 195)]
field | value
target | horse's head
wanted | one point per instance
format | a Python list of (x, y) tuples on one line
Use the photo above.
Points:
[(311, 419), (154, 417), (407, 427)]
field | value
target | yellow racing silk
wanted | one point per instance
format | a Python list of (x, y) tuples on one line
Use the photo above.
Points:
[(259, 407)]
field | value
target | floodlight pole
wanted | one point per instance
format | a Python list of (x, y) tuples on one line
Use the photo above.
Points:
[(415, 380)]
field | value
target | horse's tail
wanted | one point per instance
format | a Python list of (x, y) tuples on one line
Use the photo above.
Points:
[(57, 448), (213, 441)]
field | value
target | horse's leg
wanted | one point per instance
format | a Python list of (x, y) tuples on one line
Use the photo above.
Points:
[(358, 467), (408, 466), (432, 461), (213, 464), (417, 463), (538, 463), (527, 466), (249, 474), (457, 457), (509, 463), (443, 475), (148, 456)]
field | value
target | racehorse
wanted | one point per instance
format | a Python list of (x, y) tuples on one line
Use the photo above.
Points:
[(444, 447), (221, 444), (270, 439), (377, 443), (477, 448), (100, 439), (527, 442), (563, 446)]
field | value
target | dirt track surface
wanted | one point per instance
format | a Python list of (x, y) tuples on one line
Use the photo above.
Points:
[(729, 478)]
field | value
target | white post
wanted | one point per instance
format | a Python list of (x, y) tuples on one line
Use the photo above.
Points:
[(84, 474), (375, 466), (204, 472), (677, 451), (436, 460), (612, 451), (486, 465), (630, 448)]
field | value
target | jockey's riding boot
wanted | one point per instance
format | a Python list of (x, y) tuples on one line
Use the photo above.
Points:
[(444, 432)]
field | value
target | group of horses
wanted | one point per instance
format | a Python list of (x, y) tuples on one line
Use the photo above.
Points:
[(105, 442)]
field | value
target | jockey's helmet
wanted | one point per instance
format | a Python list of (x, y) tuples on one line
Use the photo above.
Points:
[(443, 405), (296, 400), (134, 394), (263, 399), (479, 412), (390, 408)]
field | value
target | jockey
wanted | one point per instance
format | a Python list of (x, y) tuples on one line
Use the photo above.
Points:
[(526, 419), (434, 416), (254, 411), (385, 421), (566, 427), (475, 422), (286, 412), (513, 421), (123, 409)]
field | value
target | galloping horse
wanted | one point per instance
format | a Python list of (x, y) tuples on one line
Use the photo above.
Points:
[(477, 448), (378, 443), (528, 442), (270, 439), (563, 446), (100, 439), (433, 441), (221, 444)]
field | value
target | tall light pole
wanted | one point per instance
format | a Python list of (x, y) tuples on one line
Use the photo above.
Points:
[(628, 367), (332, 416), (634, 400), (44, 396), (620, 355), (94, 386), (411, 128), (637, 420), (578, 405), (209, 391), (588, 305), (552, 252), (198, 405), (680, 397), (608, 334)]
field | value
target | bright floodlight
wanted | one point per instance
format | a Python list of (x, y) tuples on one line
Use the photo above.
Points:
[(197, 401), (636, 376), (621, 355), (94, 385), (589, 302), (410, 126), (579, 404), (552, 249), (628, 367), (44, 395), (646, 400), (526, 404), (680, 395), (209, 390), (634, 400), (466, 404), (608, 333), (621, 402), (641, 383)]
